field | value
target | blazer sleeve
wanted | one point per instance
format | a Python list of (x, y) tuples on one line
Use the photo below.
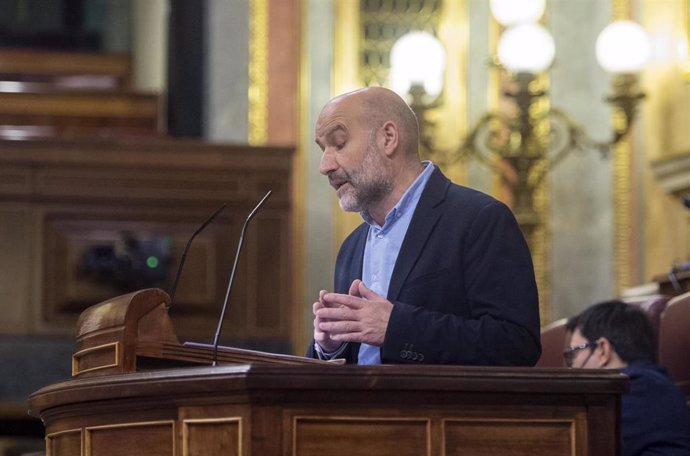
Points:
[(348, 267)]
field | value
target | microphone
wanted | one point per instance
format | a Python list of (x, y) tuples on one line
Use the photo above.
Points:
[(216, 338), (173, 288)]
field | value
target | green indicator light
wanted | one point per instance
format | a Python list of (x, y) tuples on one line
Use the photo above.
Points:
[(152, 262)]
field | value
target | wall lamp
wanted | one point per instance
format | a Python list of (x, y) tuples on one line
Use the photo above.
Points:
[(522, 146)]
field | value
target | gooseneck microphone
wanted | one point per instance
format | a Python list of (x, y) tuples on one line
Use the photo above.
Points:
[(173, 288), (251, 215)]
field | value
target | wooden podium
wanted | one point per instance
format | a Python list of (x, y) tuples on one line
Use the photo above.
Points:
[(275, 405), (134, 332)]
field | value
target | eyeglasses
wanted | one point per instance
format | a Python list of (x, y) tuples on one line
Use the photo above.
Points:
[(570, 352)]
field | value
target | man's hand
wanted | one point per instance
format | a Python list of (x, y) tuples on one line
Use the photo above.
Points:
[(321, 337), (360, 316)]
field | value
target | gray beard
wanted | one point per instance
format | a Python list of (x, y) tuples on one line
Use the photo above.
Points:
[(370, 184)]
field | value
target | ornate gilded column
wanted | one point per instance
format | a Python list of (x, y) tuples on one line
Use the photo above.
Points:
[(622, 155), (258, 73)]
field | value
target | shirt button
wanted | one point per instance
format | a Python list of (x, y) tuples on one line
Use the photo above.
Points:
[(380, 236)]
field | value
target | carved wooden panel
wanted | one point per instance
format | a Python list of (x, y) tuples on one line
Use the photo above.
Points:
[(15, 267), (67, 443), (212, 437), (514, 437), (336, 436), (100, 219), (150, 439)]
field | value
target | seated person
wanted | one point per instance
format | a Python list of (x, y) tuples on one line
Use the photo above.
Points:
[(616, 335)]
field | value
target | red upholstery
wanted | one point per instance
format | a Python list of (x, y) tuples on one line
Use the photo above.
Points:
[(653, 306), (552, 344), (674, 341)]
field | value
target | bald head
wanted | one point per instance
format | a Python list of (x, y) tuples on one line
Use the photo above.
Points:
[(378, 105)]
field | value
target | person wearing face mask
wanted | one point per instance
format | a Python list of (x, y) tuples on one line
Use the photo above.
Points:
[(615, 335), (438, 273)]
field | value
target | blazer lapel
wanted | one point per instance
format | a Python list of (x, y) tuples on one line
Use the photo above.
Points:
[(423, 221), (352, 260)]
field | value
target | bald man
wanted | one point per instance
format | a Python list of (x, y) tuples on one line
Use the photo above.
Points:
[(437, 273)]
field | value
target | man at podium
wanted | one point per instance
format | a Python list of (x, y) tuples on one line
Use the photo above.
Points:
[(438, 273)]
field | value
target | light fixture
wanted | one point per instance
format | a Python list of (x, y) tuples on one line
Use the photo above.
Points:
[(425, 71), (510, 12), (509, 144), (526, 48), (623, 47)]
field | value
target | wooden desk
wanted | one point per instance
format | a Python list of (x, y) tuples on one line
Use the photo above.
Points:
[(269, 409)]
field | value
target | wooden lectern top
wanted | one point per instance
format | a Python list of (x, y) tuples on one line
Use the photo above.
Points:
[(134, 332)]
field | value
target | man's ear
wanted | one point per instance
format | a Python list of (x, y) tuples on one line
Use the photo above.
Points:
[(607, 354), (390, 137)]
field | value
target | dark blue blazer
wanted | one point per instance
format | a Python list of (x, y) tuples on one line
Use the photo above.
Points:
[(463, 285), (654, 417)]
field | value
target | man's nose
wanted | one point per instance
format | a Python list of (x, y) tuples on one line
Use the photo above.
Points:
[(327, 163)]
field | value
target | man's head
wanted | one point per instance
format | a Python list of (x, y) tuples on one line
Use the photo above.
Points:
[(369, 140), (610, 334)]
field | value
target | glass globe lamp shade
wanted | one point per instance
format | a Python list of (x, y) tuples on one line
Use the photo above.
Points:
[(623, 47), (526, 48), (417, 58), (511, 12)]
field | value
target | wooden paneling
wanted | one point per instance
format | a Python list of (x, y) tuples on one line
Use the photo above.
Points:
[(150, 439), (516, 437), (61, 94), (342, 436), (15, 267), (17, 63), (212, 437), (66, 443), (61, 200), (282, 410), (80, 113)]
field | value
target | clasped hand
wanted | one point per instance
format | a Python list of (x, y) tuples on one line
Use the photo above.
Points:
[(359, 316)]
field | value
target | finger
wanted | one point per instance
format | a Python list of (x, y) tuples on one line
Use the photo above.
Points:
[(347, 337), (354, 288), (337, 300), (343, 313), (321, 293), (367, 293), (338, 328), (316, 306), (321, 337)]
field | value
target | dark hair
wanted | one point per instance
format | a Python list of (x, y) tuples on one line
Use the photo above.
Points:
[(626, 326)]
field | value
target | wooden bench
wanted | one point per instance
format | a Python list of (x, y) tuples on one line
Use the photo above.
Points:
[(66, 94)]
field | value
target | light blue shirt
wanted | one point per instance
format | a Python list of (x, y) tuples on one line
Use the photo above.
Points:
[(383, 246)]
